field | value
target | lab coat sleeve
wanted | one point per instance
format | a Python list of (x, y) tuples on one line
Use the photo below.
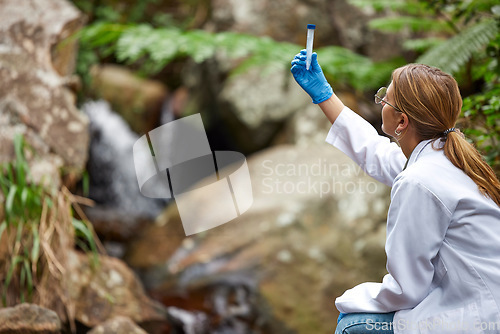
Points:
[(376, 155), (416, 226)]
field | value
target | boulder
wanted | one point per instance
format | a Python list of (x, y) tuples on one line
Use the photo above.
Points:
[(309, 126), (29, 319), (138, 100), (117, 325), (337, 22), (157, 242), (110, 289), (34, 66), (351, 25), (282, 21), (249, 108), (315, 229)]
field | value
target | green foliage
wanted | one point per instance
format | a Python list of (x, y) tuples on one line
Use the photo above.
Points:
[(464, 41), (154, 48), (85, 240), (27, 206), (398, 23), (344, 66), (452, 54), (101, 12), (421, 44), (483, 111), (379, 5)]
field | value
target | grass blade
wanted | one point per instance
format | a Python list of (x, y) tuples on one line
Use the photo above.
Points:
[(9, 202), (35, 250), (29, 278)]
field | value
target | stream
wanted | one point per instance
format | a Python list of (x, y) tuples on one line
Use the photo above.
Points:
[(221, 307)]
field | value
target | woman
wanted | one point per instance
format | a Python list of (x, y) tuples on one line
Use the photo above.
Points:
[(443, 224)]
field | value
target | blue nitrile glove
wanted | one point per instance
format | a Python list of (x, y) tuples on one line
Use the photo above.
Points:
[(341, 315), (312, 81)]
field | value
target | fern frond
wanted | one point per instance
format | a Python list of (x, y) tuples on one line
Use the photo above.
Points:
[(100, 34), (395, 24), (236, 47), (133, 43), (454, 53), (421, 44), (379, 4), (198, 44), (153, 48), (412, 7)]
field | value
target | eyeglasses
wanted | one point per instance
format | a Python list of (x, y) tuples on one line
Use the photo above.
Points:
[(381, 94)]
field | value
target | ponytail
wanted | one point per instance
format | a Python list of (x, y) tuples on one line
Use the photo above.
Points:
[(464, 156)]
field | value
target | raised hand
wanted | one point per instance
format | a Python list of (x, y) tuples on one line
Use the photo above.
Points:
[(312, 81)]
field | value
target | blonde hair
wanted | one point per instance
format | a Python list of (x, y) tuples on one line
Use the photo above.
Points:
[(432, 101)]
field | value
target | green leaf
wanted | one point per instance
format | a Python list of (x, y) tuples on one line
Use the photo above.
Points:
[(29, 277), (421, 44), (19, 234), (24, 196), (9, 202), (83, 230), (100, 34), (21, 165)]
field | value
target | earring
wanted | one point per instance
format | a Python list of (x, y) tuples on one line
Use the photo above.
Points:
[(397, 133)]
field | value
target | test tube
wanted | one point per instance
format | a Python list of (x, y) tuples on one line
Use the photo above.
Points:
[(309, 44)]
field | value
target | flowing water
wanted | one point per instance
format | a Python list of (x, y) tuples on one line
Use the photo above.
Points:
[(121, 210), (225, 306)]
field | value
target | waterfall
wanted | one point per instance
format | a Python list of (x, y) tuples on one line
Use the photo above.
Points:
[(113, 184)]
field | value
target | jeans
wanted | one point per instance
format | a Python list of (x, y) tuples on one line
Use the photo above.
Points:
[(366, 323)]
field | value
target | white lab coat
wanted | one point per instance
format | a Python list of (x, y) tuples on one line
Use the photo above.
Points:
[(443, 238)]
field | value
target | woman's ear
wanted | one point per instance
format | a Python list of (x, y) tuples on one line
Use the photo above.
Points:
[(403, 124)]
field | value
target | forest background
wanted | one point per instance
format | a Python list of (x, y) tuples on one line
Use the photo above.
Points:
[(293, 254)]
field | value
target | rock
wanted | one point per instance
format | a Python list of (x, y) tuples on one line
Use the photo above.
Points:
[(315, 229), (88, 288), (283, 21), (29, 319), (257, 99), (157, 242), (117, 325), (309, 126), (109, 290), (337, 23), (353, 32), (34, 99), (139, 101), (250, 107)]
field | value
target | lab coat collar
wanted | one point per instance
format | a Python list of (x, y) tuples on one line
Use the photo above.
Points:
[(415, 154)]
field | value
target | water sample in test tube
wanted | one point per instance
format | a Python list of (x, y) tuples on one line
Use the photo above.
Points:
[(309, 44)]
